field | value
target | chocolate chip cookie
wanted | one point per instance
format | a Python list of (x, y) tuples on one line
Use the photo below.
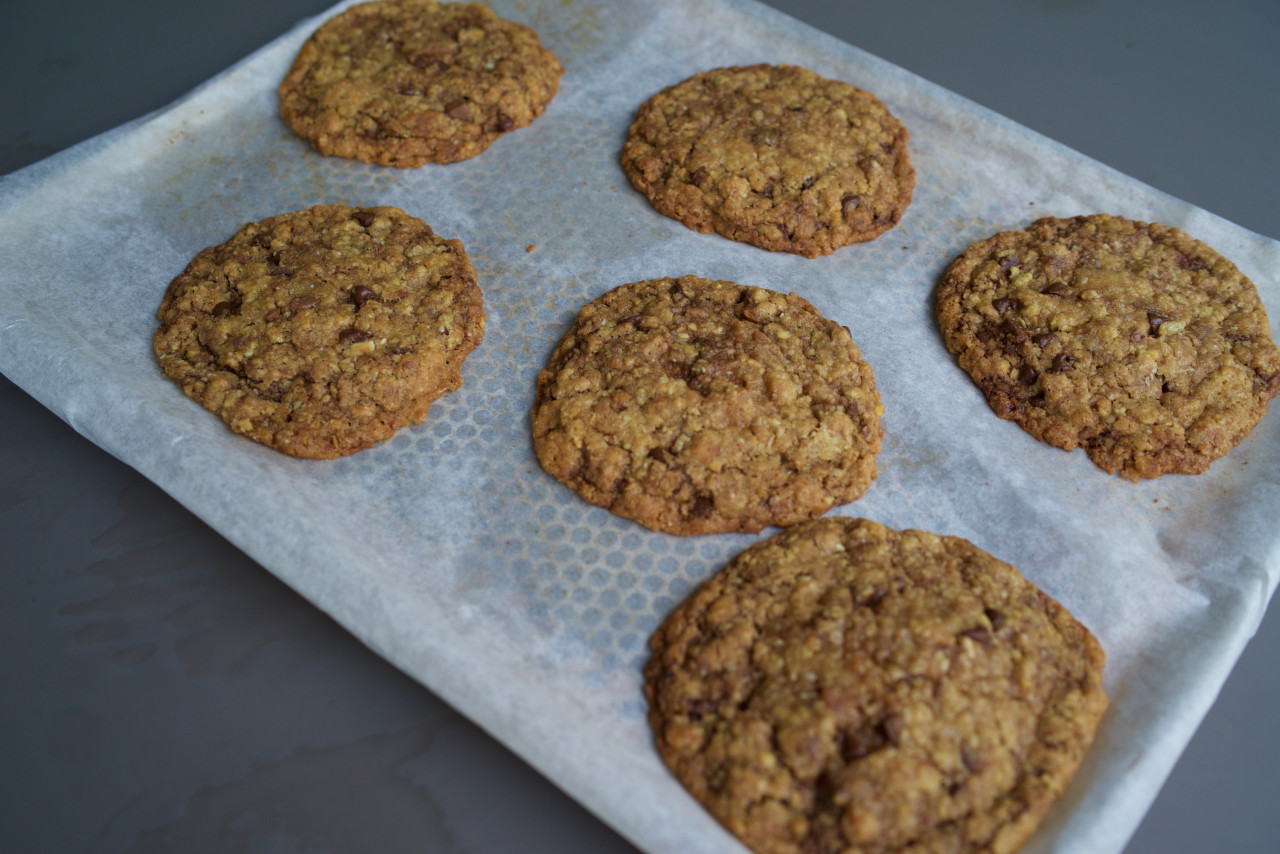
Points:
[(694, 406), (409, 82), (321, 332), (846, 687), (772, 155), (1130, 339)]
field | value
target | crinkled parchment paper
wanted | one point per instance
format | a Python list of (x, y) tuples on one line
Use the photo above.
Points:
[(449, 552)]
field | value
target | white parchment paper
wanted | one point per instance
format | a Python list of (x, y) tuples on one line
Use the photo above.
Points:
[(449, 552)]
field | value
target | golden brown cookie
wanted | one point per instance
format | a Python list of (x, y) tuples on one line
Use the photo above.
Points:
[(695, 407), (321, 332), (843, 687), (772, 155), (1130, 339), (408, 82)]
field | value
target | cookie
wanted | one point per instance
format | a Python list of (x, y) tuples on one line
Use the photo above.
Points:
[(693, 407), (1130, 339), (321, 332), (845, 687), (772, 155), (409, 82)]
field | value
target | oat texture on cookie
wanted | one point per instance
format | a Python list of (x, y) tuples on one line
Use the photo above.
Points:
[(323, 331), (694, 406), (409, 82), (1130, 339), (772, 155), (845, 687)]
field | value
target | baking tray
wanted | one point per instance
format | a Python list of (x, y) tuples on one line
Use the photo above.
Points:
[(451, 554)]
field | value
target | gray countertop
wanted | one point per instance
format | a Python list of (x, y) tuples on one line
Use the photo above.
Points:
[(165, 693)]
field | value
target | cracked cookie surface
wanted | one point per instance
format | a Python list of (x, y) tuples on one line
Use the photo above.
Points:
[(1130, 339), (844, 687), (409, 82), (321, 332), (772, 155), (694, 406)]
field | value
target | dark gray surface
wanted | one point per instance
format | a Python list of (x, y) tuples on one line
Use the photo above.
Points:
[(164, 693)]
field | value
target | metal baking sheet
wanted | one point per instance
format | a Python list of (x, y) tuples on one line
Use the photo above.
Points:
[(450, 553)]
